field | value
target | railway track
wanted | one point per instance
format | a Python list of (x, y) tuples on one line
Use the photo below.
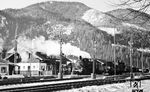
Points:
[(60, 85), (33, 80), (66, 84), (49, 79)]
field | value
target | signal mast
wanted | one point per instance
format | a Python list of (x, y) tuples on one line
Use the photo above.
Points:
[(15, 48)]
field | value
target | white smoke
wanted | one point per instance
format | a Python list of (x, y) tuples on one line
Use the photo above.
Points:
[(23, 51), (24, 56), (3, 21), (49, 47), (68, 49)]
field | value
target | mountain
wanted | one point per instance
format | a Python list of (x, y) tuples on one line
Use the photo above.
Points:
[(38, 27), (84, 31), (124, 23)]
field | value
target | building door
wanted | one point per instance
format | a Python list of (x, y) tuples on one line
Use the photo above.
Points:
[(29, 71), (11, 69)]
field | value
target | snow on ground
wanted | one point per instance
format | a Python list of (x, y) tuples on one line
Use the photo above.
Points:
[(118, 87), (144, 50), (110, 31), (133, 26), (2, 21), (40, 83), (140, 49), (12, 76), (64, 29), (93, 16)]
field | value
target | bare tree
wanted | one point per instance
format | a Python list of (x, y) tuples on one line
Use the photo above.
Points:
[(139, 4)]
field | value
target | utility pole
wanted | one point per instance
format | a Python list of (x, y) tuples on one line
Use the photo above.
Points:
[(31, 53), (15, 48), (60, 75), (142, 60), (93, 75), (131, 72), (137, 62), (114, 54), (137, 58), (148, 63)]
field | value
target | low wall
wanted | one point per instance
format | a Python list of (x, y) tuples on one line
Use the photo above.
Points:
[(35, 73)]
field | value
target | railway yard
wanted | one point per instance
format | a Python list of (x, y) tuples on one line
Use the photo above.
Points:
[(71, 47), (50, 83)]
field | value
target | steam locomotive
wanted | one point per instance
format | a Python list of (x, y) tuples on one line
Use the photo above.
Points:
[(104, 67)]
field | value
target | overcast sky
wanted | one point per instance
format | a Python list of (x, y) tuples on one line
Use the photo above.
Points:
[(102, 5)]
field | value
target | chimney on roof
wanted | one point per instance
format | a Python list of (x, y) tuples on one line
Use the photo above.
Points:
[(80, 57), (29, 55), (1, 55)]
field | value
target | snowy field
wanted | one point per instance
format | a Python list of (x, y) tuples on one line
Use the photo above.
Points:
[(119, 87)]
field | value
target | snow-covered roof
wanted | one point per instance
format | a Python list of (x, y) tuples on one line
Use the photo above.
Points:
[(8, 56), (2, 61), (22, 49)]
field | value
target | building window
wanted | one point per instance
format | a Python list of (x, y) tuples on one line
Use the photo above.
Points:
[(3, 69), (49, 67), (23, 67), (29, 67), (42, 68)]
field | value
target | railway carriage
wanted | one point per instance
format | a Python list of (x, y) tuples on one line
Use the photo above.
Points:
[(104, 67)]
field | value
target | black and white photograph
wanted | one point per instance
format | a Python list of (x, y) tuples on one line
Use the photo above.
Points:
[(74, 45)]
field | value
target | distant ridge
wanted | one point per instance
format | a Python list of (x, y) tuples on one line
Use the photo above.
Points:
[(80, 25)]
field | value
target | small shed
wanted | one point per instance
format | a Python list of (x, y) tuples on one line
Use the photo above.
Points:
[(53, 62), (10, 59), (6, 67)]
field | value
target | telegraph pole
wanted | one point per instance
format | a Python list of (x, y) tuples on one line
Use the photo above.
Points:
[(131, 43), (93, 75), (15, 48), (60, 75), (31, 53), (114, 54), (148, 63), (137, 61), (142, 60)]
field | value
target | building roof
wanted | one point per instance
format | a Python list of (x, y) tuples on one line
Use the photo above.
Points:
[(6, 62), (72, 57), (52, 58), (33, 59), (100, 61), (64, 59), (10, 57), (23, 49), (7, 57), (36, 57)]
